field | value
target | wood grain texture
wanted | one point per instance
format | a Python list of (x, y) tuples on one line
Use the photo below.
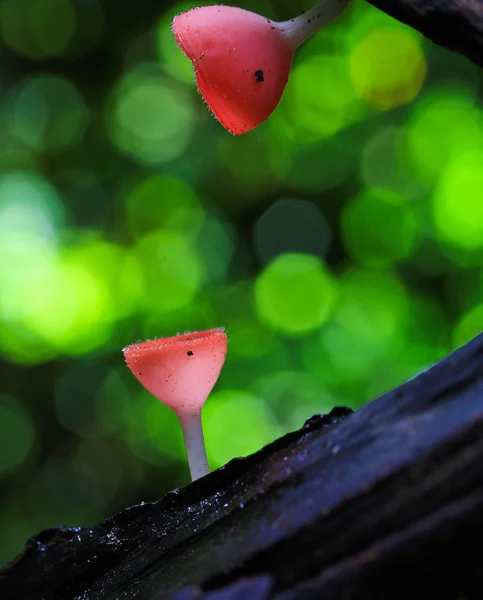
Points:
[(386, 502)]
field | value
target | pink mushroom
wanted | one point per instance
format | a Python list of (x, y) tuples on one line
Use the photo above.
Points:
[(242, 60), (181, 371)]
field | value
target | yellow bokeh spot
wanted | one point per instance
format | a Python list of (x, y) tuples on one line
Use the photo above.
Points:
[(388, 67), (294, 294), (458, 202)]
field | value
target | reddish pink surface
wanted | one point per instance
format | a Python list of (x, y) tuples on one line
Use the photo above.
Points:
[(227, 46), (182, 370)]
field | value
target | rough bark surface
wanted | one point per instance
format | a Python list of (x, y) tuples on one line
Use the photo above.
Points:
[(454, 24), (385, 502)]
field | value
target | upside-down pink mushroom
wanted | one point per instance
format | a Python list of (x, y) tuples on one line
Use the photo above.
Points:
[(242, 60), (181, 371)]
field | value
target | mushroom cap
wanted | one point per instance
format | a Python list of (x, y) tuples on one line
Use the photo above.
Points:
[(179, 371), (241, 61)]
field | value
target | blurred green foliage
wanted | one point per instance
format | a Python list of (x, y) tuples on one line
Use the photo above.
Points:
[(340, 244)]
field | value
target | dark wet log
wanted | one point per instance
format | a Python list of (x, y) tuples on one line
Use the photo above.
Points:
[(383, 503), (454, 24)]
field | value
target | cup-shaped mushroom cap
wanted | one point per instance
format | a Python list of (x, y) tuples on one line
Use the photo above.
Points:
[(179, 371), (241, 60)]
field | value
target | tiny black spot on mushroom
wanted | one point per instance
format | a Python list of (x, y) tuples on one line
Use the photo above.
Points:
[(273, 27), (140, 373), (190, 353), (259, 76)]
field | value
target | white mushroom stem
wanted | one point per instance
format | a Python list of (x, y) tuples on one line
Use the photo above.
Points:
[(302, 27), (195, 444)]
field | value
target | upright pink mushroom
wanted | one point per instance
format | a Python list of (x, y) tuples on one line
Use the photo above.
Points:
[(242, 60), (181, 371)]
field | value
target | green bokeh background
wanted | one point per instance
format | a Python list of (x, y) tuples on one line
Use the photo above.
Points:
[(340, 243)]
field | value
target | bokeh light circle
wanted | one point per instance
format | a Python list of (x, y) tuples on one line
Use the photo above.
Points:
[(171, 270), (38, 28), (253, 425), (318, 102), (379, 228), (445, 124), (48, 113), (458, 202), (162, 202), (291, 225), (151, 118), (294, 294), (388, 67), (17, 434)]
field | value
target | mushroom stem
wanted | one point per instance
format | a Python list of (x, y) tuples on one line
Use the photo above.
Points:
[(195, 444), (299, 29)]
